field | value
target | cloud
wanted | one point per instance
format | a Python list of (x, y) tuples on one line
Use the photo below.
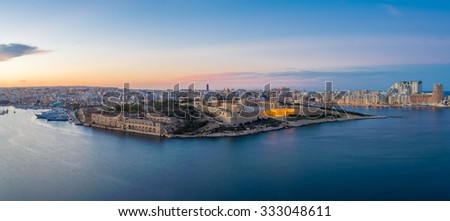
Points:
[(9, 51), (392, 10)]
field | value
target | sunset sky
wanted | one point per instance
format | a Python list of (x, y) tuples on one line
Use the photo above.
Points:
[(235, 44)]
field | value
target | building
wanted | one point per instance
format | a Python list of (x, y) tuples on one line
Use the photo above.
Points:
[(176, 87), (328, 91), (107, 121), (405, 87), (141, 126), (191, 87), (144, 126), (421, 98), (207, 87), (401, 93), (328, 86), (230, 112), (416, 87), (85, 114), (267, 88), (281, 112), (160, 118), (438, 93), (126, 91)]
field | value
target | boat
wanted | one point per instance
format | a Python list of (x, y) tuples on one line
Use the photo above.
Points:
[(54, 113), (42, 115), (60, 118)]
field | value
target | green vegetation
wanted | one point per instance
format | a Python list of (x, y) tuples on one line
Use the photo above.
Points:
[(312, 117), (344, 111), (266, 122), (74, 106), (172, 109), (223, 128), (355, 113), (127, 108), (190, 126)]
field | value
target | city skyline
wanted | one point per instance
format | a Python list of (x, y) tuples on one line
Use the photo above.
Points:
[(154, 44)]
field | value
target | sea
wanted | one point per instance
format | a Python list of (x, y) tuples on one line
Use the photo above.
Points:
[(401, 158)]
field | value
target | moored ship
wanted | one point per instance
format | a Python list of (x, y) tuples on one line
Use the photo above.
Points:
[(57, 114)]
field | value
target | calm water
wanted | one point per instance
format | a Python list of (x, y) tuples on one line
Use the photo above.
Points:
[(388, 159)]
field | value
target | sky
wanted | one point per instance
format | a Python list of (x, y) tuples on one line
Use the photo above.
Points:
[(232, 44)]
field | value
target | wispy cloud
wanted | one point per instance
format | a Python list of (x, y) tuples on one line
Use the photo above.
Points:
[(392, 10), (9, 51)]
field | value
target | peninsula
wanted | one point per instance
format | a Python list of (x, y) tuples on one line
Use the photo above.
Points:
[(192, 112), (221, 121)]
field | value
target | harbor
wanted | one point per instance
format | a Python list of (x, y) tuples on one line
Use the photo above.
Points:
[(59, 114), (43, 160), (56, 114)]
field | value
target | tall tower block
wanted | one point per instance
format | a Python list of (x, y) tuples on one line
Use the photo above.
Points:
[(438, 93)]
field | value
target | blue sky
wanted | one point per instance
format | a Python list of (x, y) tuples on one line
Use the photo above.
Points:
[(156, 43)]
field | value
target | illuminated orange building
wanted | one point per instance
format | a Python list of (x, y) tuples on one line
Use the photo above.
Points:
[(280, 112)]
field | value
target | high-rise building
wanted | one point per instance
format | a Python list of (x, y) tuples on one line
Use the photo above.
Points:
[(416, 87), (328, 91), (207, 87), (267, 87), (126, 96), (406, 88), (191, 87), (402, 87), (126, 92), (176, 87), (328, 86), (438, 93)]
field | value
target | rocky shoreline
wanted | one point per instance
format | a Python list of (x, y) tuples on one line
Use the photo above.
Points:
[(284, 125)]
